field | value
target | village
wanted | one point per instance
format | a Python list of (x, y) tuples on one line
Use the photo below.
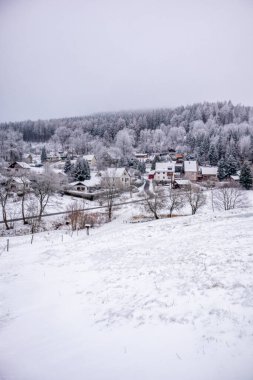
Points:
[(175, 169), (67, 178)]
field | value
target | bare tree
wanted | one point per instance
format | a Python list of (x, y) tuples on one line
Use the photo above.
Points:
[(24, 190), (31, 213), (5, 190), (195, 198), (44, 186), (76, 217), (155, 203), (175, 200), (228, 197), (111, 187)]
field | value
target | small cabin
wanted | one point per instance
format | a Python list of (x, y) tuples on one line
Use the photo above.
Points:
[(77, 186)]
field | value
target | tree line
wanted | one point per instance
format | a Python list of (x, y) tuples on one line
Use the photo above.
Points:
[(209, 131)]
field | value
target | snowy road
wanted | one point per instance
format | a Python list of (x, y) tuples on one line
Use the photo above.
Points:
[(171, 299)]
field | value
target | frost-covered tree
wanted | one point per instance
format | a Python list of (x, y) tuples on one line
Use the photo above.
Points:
[(231, 165), (5, 190), (155, 160), (195, 198), (228, 197), (213, 156), (141, 167), (81, 170), (222, 169), (155, 203), (246, 176), (175, 200), (124, 142), (43, 155), (67, 166), (43, 188)]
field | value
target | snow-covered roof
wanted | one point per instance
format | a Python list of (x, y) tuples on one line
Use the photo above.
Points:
[(77, 183), (59, 171), (89, 157), (23, 165), (114, 172), (209, 170), (183, 181), (20, 180), (141, 154), (165, 166), (235, 177), (190, 166), (94, 181)]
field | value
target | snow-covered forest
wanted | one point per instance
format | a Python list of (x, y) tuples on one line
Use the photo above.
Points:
[(207, 131)]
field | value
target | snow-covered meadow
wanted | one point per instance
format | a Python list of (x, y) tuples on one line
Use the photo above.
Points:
[(169, 299)]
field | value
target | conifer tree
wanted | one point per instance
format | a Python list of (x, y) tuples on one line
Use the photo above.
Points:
[(67, 166), (213, 156), (155, 160), (81, 170), (231, 165), (141, 167), (43, 156), (222, 172), (220, 148), (246, 176)]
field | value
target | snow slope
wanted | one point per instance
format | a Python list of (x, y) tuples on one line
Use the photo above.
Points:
[(169, 299)]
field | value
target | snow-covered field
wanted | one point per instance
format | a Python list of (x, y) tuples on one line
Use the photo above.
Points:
[(169, 299)]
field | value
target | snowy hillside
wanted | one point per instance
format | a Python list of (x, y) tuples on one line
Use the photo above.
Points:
[(170, 299)]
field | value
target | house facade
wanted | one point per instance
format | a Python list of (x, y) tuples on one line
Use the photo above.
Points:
[(77, 186), (209, 173), (142, 157), (118, 176), (19, 168), (191, 170), (19, 185), (165, 172)]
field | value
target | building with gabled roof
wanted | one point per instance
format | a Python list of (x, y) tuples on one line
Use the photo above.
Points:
[(209, 173), (119, 176), (164, 171), (91, 159), (191, 170), (19, 167)]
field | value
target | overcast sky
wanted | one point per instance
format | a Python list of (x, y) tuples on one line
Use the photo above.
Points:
[(75, 57)]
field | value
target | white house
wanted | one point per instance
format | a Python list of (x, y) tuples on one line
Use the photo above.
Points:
[(118, 176), (209, 172), (142, 157), (77, 186), (164, 171), (191, 170), (93, 184), (181, 183), (19, 167), (19, 185), (60, 176)]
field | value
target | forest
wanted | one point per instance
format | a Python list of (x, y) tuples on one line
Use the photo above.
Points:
[(208, 132)]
